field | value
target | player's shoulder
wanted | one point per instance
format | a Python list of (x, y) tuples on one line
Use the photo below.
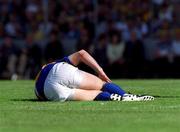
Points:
[(65, 59)]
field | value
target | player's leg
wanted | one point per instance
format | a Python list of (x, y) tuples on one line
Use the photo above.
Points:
[(92, 82), (57, 92), (96, 95), (89, 81), (93, 88), (85, 95)]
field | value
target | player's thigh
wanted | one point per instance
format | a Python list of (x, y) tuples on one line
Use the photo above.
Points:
[(84, 95), (57, 92), (90, 82)]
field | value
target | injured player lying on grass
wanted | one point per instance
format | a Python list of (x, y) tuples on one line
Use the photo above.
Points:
[(62, 81)]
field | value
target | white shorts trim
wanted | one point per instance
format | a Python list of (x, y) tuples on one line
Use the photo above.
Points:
[(61, 81)]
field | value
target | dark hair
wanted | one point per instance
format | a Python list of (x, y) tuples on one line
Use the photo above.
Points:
[(115, 33), (102, 36)]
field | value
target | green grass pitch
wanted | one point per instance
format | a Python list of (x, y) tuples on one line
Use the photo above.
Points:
[(20, 112)]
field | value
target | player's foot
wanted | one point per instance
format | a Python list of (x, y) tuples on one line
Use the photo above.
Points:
[(131, 97), (116, 97)]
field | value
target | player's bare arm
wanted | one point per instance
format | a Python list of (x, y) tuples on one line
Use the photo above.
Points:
[(85, 57)]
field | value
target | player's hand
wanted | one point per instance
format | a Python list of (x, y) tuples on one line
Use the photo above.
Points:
[(103, 76)]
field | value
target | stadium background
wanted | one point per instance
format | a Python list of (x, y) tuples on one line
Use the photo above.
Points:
[(129, 38)]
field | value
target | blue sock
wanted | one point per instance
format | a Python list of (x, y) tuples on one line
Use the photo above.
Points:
[(113, 89), (103, 96)]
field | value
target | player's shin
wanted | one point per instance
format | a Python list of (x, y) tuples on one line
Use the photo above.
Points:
[(105, 96), (113, 89)]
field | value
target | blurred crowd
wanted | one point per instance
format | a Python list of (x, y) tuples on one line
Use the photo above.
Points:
[(128, 38)]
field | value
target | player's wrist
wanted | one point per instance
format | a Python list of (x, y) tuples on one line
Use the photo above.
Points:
[(99, 71)]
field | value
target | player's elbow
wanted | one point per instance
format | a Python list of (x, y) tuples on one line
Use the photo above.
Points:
[(82, 53)]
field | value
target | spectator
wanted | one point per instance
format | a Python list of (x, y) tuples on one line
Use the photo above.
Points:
[(84, 41), (54, 48), (8, 57), (176, 45), (115, 51), (100, 51), (4, 11), (134, 50), (176, 53), (166, 12), (34, 54), (134, 55), (2, 32), (164, 47), (70, 37), (115, 48), (163, 57), (13, 27)]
